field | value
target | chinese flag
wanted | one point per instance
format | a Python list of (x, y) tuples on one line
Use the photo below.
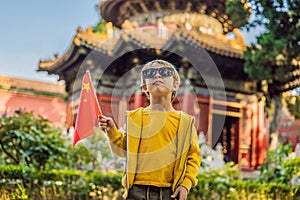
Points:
[(88, 110)]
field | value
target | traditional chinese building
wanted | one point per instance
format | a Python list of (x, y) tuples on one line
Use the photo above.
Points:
[(41, 98), (191, 35), (289, 129)]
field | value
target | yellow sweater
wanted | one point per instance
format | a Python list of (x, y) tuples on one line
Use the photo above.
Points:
[(157, 150), (185, 150)]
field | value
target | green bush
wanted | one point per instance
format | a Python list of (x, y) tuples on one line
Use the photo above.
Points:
[(27, 183), (227, 184), (277, 168), (58, 184), (35, 164), (29, 140)]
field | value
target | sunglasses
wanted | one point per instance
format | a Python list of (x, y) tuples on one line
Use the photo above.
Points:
[(164, 72)]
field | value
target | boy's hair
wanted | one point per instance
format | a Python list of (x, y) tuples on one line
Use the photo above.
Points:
[(163, 63)]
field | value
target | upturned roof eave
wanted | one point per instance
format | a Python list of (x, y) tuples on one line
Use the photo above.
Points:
[(57, 65)]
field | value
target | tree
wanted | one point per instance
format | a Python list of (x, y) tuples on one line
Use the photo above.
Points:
[(275, 60), (293, 103), (100, 27), (238, 11), (26, 139), (81, 158)]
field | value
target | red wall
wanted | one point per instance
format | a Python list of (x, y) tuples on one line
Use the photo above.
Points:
[(51, 108)]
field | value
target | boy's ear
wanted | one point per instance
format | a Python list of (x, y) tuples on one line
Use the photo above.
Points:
[(144, 88), (176, 86)]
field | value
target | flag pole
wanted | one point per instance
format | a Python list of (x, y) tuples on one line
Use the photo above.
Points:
[(127, 152)]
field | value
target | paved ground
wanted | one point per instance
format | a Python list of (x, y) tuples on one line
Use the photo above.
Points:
[(250, 174)]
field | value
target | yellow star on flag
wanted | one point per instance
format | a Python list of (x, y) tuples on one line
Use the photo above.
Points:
[(86, 86)]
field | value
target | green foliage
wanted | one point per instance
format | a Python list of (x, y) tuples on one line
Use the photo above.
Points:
[(208, 188), (30, 140), (80, 157), (58, 184), (229, 173), (278, 178), (273, 57), (293, 104), (93, 153), (20, 193), (75, 184), (100, 27), (105, 185), (33, 141), (215, 183), (260, 63), (276, 168), (238, 11)]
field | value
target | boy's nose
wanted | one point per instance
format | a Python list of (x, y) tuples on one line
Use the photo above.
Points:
[(157, 74)]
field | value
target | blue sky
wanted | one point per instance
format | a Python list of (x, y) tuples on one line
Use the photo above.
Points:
[(34, 30)]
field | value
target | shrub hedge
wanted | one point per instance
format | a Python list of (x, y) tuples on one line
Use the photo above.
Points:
[(18, 182)]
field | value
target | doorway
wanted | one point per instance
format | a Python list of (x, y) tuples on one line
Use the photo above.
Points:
[(226, 134)]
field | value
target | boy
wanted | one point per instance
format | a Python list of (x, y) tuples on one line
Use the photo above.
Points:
[(160, 144)]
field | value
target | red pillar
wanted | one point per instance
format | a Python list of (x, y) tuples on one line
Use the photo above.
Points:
[(245, 138), (254, 152), (262, 136), (188, 103), (138, 100)]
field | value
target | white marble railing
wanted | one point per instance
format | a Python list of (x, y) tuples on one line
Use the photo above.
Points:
[(211, 158)]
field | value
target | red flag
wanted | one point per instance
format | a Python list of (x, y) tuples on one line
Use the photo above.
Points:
[(88, 110)]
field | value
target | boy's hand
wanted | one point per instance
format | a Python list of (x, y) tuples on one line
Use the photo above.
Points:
[(180, 193), (105, 123)]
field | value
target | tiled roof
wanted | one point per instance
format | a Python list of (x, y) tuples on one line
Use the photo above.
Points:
[(216, 44), (7, 82), (145, 38)]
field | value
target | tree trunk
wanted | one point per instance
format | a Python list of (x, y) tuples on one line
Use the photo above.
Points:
[(275, 122)]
